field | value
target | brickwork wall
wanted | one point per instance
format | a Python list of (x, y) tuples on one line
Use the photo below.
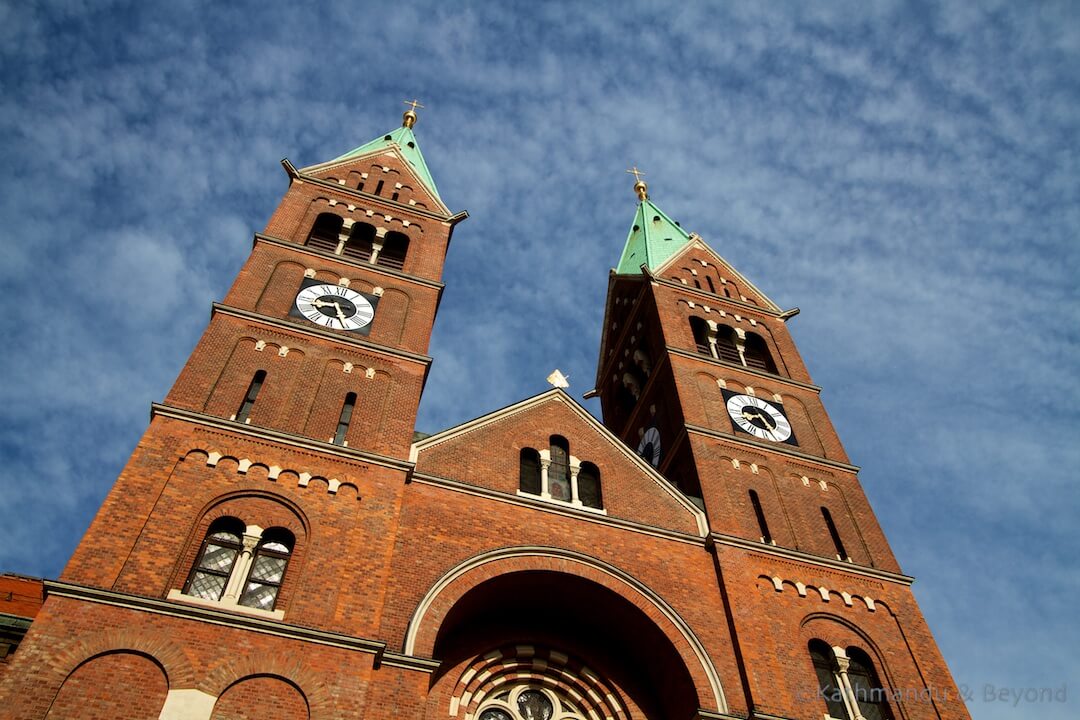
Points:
[(261, 698), (146, 536), (186, 654), (303, 391), (776, 627)]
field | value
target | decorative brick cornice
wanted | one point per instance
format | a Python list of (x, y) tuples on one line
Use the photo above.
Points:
[(771, 377), (312, 331), (774, 447), (214, 617), (262, 433), (808, 559)]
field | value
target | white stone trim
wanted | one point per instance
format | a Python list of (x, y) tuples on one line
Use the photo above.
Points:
[(179, 596), (187, 704)]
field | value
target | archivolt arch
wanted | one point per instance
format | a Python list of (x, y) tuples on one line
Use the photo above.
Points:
[(452, 586)]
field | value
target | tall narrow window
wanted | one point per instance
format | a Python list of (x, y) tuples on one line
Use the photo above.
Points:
[(757, 354), (725, 345), (588, 483), (378, 188), (865, 685), (828, 687), (764, 526), (712, 288), (223, 543), (244, 413), (701, 335), (529, 471), (360, 242), (268, 569), (324, 233), (344, 419), (395, 247), (559, 469), (841, 553)]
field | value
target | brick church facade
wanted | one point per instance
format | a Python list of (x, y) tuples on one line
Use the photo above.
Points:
[(281, 544)]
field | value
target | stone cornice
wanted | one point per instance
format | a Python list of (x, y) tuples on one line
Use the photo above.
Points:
[(781, 379), (215, 617), (556, 508), (262, 433), (773, 447), (713, 296), (377, 269), (449, 218), (313, 331), (409, 662), (808, 559)]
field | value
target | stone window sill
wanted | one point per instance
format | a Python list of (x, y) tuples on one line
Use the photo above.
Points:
[(563, 503), (179, 596)]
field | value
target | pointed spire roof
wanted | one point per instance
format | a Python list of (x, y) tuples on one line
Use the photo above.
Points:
[(653, 238), (404, 141)]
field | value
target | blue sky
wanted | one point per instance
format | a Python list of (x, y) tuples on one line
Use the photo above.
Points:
[(907, 174)]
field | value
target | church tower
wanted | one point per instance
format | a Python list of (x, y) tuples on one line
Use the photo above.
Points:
[(698, 371), (282, 545)]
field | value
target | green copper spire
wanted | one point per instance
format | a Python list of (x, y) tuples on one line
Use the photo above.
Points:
[(653, 238), (405, 142)]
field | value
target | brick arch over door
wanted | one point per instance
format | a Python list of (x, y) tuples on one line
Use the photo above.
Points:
[(441, 598)]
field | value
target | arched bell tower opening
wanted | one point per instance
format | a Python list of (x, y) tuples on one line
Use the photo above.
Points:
[(557, 640)]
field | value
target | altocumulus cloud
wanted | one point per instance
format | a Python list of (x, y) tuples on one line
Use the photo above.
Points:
[(907, 174)]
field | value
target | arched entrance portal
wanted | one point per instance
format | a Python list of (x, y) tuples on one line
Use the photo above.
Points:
[(542, 644)]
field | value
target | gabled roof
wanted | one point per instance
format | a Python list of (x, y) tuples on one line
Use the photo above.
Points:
[(403, 142), (697, 243), (559, 396), (653, 238)]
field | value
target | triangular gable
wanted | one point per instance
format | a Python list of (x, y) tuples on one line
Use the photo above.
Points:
[(402, 145), (644, 470), (697, 243)]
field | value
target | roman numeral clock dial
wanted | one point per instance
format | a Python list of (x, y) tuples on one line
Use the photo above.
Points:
[(760, 418), (335, 307)]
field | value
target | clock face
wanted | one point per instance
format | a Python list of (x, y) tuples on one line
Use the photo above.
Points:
[(759, 418), (649, 447), (335, 307)]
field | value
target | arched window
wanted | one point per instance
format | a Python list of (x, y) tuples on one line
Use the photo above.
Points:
[(529, 471), (712, 288), (268, 569), (757, 354), (828, 680), (324, 233), (243, 415), (588, 482), (559, 469), (395, 247), (841, 553), (764, 526), (217, 558), (866, 687), (344, 419), (360, 242), (701, 334), (725, 345)]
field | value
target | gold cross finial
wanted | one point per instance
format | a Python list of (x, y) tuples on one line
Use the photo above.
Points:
[(640, 187), (409, 118)]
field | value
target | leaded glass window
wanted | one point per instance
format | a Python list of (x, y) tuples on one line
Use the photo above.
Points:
[(559, 469), (828, 687), (267, 570), (217, 557), (589, 486), (866, 687), (527, 702)]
